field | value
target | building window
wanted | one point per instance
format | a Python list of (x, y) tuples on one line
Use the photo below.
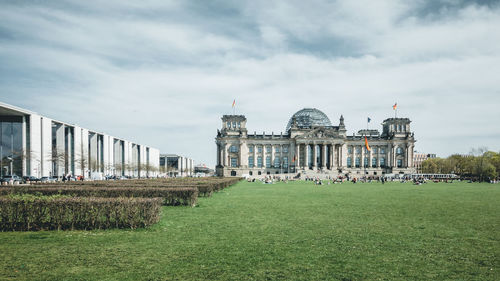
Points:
[(259, 162), (285, 162), (234, 124), (382, 150), (277, 149), (365, 162), (250, 149), (259, 149), (358, 150), (268, 162), (268, 149), (382, 162), (285, 149), (366, 149), (276, 162), (233, 148), (399, 128), (374, 162), (250, 161), (358, 162), (399, 150), (349, 150), (349, 162), (400, 163), (239, 124), (234, 162), (228, 124), (374, 150)]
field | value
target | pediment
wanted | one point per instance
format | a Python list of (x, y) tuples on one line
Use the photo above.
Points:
[(319, 133)]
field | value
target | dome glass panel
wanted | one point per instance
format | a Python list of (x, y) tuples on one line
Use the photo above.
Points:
[(309, 117)]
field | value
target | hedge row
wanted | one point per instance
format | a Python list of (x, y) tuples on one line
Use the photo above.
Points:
[(205, 187), (170, 196), (24, 212)]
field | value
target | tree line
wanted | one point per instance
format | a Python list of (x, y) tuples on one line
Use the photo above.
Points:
[(480, 164)]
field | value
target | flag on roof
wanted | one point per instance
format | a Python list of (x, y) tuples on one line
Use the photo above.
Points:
[(395, 106)]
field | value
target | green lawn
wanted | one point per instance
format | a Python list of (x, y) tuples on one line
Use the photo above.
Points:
[(294, 231)]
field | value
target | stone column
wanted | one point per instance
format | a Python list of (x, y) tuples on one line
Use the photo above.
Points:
[(362, 158), (239, 156), (330, 156), (273, 155), (314, 164), (297, 156), (323, 157), (224, 155), (306, 153)]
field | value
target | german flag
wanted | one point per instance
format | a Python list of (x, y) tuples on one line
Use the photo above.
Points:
[(395, 106), (234, 102), (366, 144)]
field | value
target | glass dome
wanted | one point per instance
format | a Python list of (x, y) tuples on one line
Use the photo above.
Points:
[(309, 117)]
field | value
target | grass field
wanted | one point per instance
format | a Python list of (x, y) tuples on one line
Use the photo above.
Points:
[(294, 231)]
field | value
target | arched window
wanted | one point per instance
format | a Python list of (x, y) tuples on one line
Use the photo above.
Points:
[(358, 162), (349, 162), (382, 162), (399, 150), (365, 162), (233, 148), (374, 162)]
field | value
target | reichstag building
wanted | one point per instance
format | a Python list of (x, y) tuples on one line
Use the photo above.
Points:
[(313, 146)]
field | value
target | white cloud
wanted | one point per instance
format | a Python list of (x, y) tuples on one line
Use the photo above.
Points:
[(164, 74)]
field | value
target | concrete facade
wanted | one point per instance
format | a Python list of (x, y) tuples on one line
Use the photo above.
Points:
[(173, 165), (312, 146), (54, 148)]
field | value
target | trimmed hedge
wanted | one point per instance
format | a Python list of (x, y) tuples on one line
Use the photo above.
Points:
[(170, 196), (28, 212), (205, 186)]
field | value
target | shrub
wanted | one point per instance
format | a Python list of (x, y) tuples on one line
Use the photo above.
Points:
[(28, 212), (171, 196)]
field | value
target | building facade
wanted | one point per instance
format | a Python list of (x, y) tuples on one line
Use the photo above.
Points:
[(173, 165), (419, 158), (34, 145), (312, 146)]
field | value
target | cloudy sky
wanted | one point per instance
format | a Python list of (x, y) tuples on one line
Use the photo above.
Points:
[(163, 72)]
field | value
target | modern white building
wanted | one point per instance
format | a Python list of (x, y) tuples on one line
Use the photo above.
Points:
[(173, 165), (34, 145)]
